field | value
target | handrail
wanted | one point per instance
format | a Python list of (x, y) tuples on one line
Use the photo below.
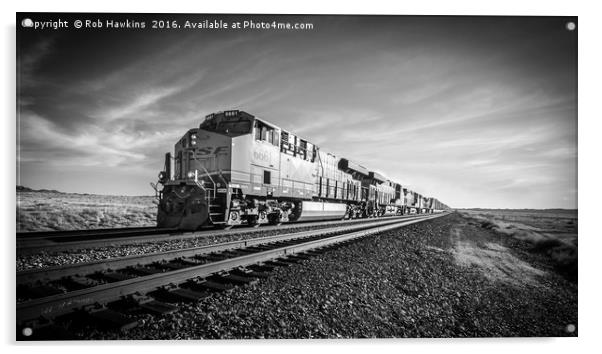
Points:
[(208, 175), (223, 178), (202, 166), (320, 159), (201, 186)]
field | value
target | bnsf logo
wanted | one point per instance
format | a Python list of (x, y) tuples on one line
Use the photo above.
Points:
[(212, 150)]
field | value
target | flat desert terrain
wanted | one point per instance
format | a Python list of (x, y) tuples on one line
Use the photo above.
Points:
[(551, 233), (52, 210)]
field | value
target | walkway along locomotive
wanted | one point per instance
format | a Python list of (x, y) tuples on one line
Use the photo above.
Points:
[(238, 169)]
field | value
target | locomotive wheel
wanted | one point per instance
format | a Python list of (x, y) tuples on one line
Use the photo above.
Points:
[(274, 219), (252, 221)]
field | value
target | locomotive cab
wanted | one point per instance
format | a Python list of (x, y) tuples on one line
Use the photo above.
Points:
[(199, 191), (227, 172)]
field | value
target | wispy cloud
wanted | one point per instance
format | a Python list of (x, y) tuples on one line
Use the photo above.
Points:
[(29, 60), (43, 142), (140, 100)]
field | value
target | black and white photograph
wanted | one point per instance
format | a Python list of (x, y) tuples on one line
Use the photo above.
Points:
[(190, 176)]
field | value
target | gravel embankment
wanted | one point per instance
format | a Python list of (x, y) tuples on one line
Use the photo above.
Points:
[(402, 283), (51, 259)]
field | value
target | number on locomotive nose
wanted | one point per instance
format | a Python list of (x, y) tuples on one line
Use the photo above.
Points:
[(258, 155)]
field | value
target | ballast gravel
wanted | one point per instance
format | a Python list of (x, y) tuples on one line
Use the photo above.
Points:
[(402, 283)]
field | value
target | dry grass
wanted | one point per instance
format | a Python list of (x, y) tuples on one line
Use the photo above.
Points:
[(50, 210), (549, 232), (496, 262)]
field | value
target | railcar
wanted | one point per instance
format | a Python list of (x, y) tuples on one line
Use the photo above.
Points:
[(236, 169)]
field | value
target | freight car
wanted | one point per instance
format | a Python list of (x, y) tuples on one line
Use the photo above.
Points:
[(238, 169)]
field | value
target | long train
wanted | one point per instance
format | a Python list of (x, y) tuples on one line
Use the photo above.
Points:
[(238, 169)]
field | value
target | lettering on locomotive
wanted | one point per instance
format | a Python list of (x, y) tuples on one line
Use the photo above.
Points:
[(212, 150)]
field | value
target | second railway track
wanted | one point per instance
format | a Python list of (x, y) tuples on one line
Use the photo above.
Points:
[(59, 241), (183, 274)]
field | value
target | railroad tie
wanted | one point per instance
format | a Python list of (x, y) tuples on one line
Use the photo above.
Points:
[(279, 263), (175, 294), (142, 270), (172, 265), (244, 272), (149, 305), (79, 282), (105, 317), (300, 257), (207, 285), (234, 279), (115, 276), (261, 267), (158, 308), (216, 257)]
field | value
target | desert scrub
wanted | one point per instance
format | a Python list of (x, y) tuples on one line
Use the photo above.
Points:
[(51, 210), (552, 233)]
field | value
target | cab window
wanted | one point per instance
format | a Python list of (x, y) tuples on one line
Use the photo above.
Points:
[(264, 132), (230, 126)]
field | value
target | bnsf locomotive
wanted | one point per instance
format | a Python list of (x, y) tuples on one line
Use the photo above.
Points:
[(238, 169)]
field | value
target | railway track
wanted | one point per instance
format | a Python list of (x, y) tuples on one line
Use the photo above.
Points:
[(60, 241), (31, 242), (65, 234), (108, 292)]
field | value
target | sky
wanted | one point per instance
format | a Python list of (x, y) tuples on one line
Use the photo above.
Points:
[(476, 111)]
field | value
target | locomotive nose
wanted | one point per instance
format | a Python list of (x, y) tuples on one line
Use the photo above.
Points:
[(197, 213), (183, 208)]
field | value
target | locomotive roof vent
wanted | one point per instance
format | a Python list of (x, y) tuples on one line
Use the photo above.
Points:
[(351, 167), (377, 177)]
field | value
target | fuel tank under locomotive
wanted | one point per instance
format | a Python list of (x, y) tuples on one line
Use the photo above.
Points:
[(182, 206)]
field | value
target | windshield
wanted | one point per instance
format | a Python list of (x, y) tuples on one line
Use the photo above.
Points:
[(230, 126)]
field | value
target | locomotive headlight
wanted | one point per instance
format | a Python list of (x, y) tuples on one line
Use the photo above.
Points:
[(190, 174)]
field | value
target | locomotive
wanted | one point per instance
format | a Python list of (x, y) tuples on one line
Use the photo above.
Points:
[(237, 169)]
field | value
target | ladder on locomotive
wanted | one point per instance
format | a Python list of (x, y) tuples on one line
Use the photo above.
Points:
[(215, 210)]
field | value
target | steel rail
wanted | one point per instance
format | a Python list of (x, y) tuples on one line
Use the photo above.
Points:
[(44, 245), (57, 272), (64, 303), (68, 238)]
